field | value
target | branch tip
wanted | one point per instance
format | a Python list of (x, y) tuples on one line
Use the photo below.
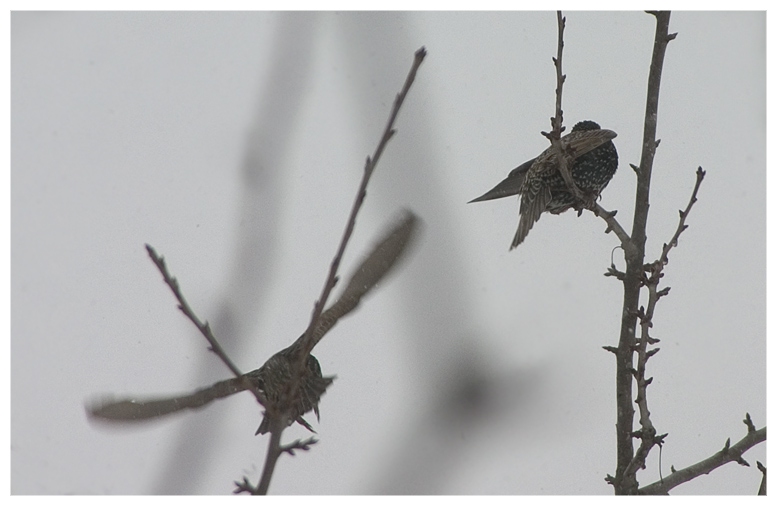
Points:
[(749, 422)]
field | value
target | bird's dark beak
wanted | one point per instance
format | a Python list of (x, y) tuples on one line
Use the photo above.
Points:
[(510, 186)]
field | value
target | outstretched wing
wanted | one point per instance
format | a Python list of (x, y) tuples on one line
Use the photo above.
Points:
[(134, 410)]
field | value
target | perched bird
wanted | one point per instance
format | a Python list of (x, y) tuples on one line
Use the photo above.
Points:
[(592, 161)]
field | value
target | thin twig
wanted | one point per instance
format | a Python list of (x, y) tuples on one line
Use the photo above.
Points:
[(683, 215), (647, 433), (762, 487), (612, 224), (277, 425), (274, 450), (376, 264), (204, 328), (556, 121), (299, 444), (369, 167), (749, 423)]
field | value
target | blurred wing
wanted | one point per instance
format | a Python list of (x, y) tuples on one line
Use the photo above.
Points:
[(132, 410)]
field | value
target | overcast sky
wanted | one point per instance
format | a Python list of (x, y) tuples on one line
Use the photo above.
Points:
[(234, 143)]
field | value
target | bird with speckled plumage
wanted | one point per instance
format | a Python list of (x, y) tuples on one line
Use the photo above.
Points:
[(592, 160)]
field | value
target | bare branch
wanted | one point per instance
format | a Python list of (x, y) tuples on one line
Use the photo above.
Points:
[(762, 488), (244, 486), (651, 281), (277, 425), (275, 449), (299, 444), (556, 121), (204, 328), (625, 481), (749, 423), (724, 456), (613, 225), (683, 215), (649, 143), (362, 192), (373, 268)]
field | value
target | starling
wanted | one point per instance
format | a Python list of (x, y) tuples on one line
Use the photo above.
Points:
[(275, 376), (592, 161)]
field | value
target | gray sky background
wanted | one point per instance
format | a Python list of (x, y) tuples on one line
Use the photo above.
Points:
[(234, 144)]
